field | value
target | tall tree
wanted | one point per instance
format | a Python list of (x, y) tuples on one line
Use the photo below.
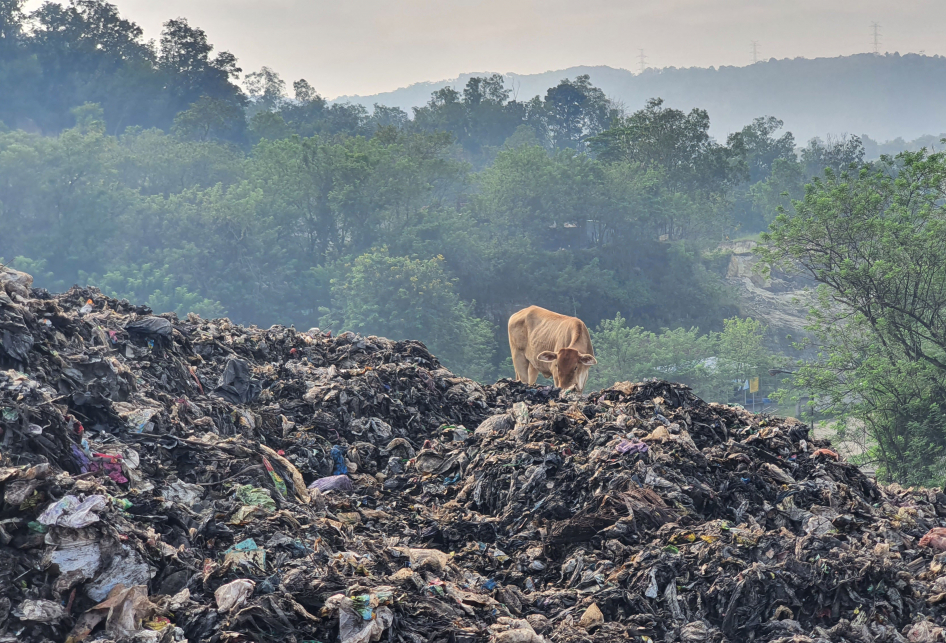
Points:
[(189, 70), (874, 239), (760, 146), (89, 53), (837, 153), (266, 90), (574, 111), (11, 24), (678, 143)]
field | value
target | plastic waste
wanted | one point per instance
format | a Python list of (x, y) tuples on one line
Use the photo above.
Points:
[(246, 553), (513, 630), (651, 591), (233, 594), (71, 512), (546, 517), (184, 493), (257, 501), (16, 344), (277, 479), (360, 620), (151, 327), (236, 383), (40, 610), (332, 483), (631, 446), (10, 276), (140, 420), (74, 553), (338, 457), (124, 611), (126, 568), (935, 538)]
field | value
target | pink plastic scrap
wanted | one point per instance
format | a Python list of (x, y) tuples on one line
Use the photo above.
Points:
[(631, 446)]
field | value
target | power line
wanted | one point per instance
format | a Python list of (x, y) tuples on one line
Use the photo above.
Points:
[(755, 51), (641, 61), (875, 29)]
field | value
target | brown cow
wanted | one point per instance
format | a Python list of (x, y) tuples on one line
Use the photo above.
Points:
[(555, 345)]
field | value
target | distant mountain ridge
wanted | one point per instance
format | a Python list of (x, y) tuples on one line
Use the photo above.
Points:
[(885, 97)]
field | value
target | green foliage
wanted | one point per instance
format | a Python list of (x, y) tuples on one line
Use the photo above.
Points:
[(679, 144), (714, 364), (836, 154), (155, 286), (762, 149), (61, 56), (741, 350), (873, 239), (785, 183), (632, 354), (405, 298), (262, 235), (573, 112), (209, 118), (37, 269)]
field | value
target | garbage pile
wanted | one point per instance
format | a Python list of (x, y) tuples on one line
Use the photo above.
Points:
[(170, 479)]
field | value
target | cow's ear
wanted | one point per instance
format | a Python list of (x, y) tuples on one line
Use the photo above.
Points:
[(588, 360), (546, 356)]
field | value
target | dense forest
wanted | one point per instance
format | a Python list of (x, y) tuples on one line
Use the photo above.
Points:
[(149, 170)]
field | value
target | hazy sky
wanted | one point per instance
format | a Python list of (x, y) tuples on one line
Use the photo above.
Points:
[(368, 46)]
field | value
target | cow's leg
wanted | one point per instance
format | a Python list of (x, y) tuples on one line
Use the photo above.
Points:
[(533, 374), (521, 363)]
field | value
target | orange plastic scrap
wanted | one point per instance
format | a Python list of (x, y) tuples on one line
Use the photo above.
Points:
[(935, 538), (827, 453)]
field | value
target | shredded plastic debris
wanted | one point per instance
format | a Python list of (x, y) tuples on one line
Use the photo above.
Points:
[(193, 480)]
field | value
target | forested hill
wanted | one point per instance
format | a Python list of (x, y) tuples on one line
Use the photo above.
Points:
[(884, 97)]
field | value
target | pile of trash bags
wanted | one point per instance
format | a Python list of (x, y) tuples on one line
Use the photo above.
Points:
[(168, 479)]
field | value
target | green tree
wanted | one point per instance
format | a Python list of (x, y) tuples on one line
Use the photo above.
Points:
[(677, 143), (785, 183), (632, 354), (741, 352), (210, 118), (762, 149), (404, 298), (837, 154), (155, 286), (266, 90), (873, 240), (575, 111), (710, 363), (184, 58)]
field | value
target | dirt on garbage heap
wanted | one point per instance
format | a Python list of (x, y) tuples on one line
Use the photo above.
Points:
[(191, 480)]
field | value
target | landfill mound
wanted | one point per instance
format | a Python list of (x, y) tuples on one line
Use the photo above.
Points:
[(192, 480)]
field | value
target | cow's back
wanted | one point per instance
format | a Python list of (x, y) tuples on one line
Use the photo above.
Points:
[(536, 329)]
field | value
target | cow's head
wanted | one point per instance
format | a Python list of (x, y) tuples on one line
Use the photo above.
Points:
[(569, 367)]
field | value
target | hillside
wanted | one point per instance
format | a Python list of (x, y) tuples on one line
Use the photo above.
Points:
[(778, 300), (884, 97)]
